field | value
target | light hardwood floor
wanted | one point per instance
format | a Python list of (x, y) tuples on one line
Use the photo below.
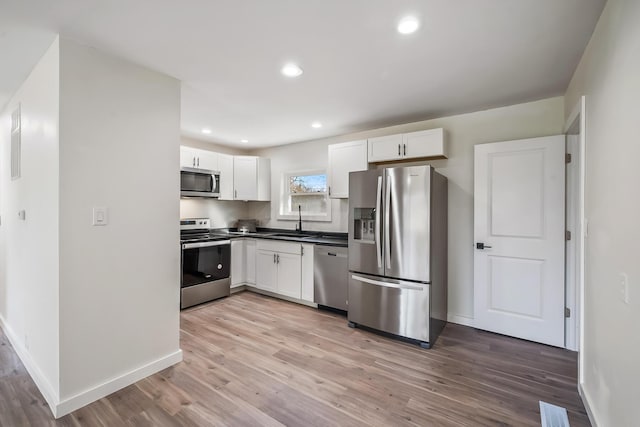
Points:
[(251, 360)]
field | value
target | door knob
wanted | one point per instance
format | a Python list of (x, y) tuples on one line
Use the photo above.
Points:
[(481, 245)]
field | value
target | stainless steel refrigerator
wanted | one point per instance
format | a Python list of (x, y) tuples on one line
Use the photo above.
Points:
[(398, 251)]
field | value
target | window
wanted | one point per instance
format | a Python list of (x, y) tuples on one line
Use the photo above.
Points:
[(306, 191)]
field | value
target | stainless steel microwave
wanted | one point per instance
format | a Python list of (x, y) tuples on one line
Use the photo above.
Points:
[(199, 183)]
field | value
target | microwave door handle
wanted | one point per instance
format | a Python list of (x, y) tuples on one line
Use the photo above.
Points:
[(213, 183), (378, 224)]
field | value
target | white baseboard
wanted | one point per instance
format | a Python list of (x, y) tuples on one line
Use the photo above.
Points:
[(79, 400), (253, 289), (48, 392), (460, 320), (586, 401)]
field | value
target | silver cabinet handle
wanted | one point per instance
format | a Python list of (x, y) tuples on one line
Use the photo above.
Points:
[(404, 147), (400, 285), (235, 192), (198, 161), (387, 222), (274, 258), (194, 162), (278, 259), (398, 149), (378, 224), (329, 190)]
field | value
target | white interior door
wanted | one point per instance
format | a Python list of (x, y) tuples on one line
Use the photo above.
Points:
[(519, 217)]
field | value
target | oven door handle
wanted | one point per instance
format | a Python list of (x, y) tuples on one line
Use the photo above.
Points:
[(205, 244)]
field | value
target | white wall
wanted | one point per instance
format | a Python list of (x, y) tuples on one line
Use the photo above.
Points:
[(609, 76), (119, 293), (540, 118), (29, 249)]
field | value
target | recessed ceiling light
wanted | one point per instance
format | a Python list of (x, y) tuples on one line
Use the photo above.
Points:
[(244, 141), (316, 125), (408, 25), (291, 70), (206, 131)]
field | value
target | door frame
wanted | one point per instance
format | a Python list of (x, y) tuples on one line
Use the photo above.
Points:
[(577, 224)]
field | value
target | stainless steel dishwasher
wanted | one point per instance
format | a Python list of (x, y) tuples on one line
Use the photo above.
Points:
[(330, 276)]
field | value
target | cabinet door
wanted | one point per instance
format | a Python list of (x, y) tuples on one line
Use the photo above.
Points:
[(307, 273), (384, 148), (266, 270), (207, 160), (250, 261), (289, 275), (426, 143), (225, 166), (187, 157), (245, 177), (344, 158), (237, 263)]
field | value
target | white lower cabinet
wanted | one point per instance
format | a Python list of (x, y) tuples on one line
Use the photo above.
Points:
[(250, 258), (278, 268), (238, 270), (288, 280), (307, 273), (266, 270), (282, 268)]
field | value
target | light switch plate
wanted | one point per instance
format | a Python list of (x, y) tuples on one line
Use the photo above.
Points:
[(100, 216)]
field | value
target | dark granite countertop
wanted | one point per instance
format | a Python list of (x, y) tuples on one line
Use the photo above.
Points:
[(312, 237)]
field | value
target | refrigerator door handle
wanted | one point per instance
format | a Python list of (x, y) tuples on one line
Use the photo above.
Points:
[(377, 229), (400, 285), (387, 228)]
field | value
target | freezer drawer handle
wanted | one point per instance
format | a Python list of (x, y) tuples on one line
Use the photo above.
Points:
[(402, 285)]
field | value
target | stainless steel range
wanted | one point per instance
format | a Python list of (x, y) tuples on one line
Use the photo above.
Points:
[(206, 263)]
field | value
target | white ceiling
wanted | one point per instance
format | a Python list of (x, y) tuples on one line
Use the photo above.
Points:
[(359, 73)]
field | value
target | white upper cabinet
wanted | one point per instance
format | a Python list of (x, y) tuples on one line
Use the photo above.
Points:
[(426, 143), (207, 160), (201, 159), (413, 145), (225, 166), (385, 148), (187, 157), (241, 177), (251, 178), (344, 158)]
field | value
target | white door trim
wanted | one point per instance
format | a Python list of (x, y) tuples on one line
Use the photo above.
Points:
[(576, 123)]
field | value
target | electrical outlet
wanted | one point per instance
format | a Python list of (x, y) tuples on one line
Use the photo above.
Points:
[(624, 288)]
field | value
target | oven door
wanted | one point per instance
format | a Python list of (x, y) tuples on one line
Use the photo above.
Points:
[(199, 183), (205, 262)]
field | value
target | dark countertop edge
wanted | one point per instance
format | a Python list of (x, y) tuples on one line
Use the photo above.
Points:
[(264, 233)]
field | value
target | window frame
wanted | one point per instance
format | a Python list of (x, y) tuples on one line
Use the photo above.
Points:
[(285, 214)]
